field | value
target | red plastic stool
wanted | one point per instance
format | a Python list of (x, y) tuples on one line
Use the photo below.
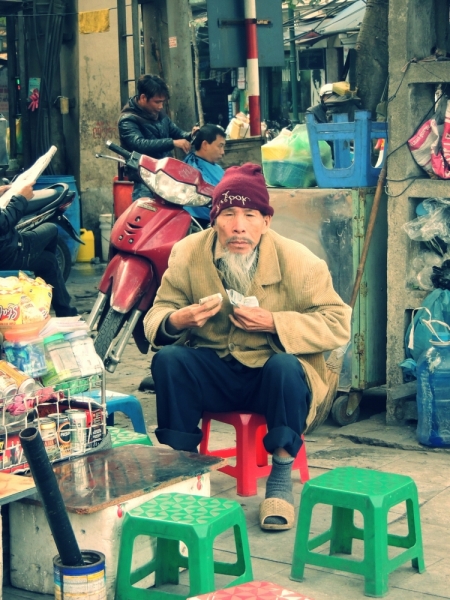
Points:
[(251, 456), (255, 590)]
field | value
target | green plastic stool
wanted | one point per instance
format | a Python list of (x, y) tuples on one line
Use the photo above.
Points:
[(175, 518), (124, 437), (373, 493)]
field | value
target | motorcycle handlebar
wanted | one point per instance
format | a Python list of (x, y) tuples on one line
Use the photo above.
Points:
[(118, 150)]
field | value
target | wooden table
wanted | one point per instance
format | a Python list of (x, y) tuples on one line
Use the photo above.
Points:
[(98, 490)]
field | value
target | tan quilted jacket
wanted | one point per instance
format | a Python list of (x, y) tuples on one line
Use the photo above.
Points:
[(290, 281)]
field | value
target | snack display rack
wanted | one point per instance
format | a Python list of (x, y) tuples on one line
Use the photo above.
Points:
[(70, 438)]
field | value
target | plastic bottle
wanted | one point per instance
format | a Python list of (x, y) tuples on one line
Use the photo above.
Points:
[(61, 362), (83, 348), (433, 393)]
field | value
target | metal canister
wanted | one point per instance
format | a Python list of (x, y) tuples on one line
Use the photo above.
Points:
[(77, 420), (47, 427), (63, 432), (8, 387), (24, 382)]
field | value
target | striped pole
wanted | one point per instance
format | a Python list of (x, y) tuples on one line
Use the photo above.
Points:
[(252, 67)]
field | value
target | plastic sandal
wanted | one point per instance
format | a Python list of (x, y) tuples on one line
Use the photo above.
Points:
[(276, 507)]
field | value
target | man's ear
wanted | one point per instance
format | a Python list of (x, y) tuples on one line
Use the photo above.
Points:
[(267, 219)]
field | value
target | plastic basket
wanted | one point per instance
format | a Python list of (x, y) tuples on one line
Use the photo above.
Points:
[(288, 174)]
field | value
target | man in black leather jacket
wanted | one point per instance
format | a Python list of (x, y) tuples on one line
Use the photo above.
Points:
[(33, 250), (145, 128)]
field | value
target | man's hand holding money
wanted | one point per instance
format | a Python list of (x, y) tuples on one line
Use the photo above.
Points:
[(253, 319)]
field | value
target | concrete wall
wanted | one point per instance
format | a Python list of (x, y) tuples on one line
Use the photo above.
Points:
[(99, 108), (415, 27)]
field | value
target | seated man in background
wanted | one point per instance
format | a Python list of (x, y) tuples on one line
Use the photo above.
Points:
[(209, 147), (33, 250), (265, 358)]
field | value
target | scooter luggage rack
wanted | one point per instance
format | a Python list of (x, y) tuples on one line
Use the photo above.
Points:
[(17, 414)]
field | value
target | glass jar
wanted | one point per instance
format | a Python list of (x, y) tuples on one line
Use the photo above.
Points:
[(61, 362)]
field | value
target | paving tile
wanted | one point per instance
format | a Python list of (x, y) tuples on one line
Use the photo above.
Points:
[(435, 581)]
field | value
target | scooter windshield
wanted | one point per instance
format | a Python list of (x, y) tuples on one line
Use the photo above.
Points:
[(171, 190)]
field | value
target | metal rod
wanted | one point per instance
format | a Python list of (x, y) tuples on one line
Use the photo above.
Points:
[(136, 29), (293, 64), (12, 87), (123, 54)]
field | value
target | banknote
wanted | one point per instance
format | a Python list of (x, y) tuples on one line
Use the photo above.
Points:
[(238, 299)]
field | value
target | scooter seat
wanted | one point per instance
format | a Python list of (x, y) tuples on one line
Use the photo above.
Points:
[(41, 199)]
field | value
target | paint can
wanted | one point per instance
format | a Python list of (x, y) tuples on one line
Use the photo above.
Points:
[(87, 582), (63, 432), (47, 428)]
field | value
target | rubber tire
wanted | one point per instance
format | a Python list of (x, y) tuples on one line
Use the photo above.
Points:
[(64, 258), (339, 412), (109, 329)]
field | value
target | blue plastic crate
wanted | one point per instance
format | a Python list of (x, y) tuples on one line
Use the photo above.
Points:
[(348, 171)]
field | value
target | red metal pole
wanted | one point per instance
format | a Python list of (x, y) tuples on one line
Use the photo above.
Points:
[(252, 67)]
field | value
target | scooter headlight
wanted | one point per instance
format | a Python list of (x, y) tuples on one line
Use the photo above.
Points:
[(171, 190)]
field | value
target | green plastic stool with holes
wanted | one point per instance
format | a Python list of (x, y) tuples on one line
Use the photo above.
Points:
[(175, 518), (373, 493), (125, 437)]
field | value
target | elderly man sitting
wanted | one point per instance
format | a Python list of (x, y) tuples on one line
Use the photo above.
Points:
[(266, 358)]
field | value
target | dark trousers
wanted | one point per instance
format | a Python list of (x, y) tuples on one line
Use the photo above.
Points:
[(38, 254), (190, 381)]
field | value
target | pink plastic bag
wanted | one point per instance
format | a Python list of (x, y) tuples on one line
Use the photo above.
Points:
[(420, 144), (440, 149)]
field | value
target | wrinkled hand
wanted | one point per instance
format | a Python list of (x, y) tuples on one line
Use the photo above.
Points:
[(253, 319), (182, 144), (194, 315), (27, 191)]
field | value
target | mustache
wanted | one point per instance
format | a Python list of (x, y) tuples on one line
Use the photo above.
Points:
[(236, 238)]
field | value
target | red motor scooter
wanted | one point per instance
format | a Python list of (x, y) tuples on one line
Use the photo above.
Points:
[(141, 241)]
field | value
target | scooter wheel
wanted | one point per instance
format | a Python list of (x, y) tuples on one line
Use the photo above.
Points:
[(64, 258), (109, 329)]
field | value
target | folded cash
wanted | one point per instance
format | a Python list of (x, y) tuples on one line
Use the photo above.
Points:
[(203, 300), (237, 299)]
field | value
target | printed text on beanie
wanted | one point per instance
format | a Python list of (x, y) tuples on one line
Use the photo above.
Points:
[(242, 187)]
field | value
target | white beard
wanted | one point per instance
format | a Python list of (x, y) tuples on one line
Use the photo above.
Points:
[(238, 270)]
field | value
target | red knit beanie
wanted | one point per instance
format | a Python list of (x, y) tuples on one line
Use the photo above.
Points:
[(242, 187)]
